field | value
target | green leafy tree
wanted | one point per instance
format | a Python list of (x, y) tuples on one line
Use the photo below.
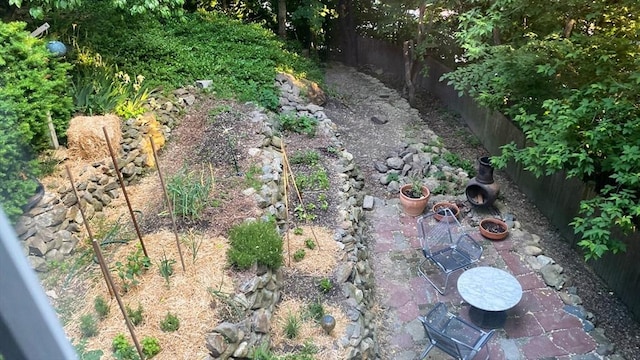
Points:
[(568, 74), (38, 8), (33, 85)]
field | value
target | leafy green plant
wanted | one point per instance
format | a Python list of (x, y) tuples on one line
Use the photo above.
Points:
[(298, 231), (84, 354), (302, 214), (307, 157), (298, 255), (88, 325), (309, 243), (166, 267), (322, 200), (292, 326), (193, 240), (440, 189), (325, 285), (393, 176), (101, 306), (189, 192), (415, 191), (252, 177), (255, 242), (299, 124), (170, 323), (315, 310), (455, 161), (34, 87), (136, 316), (123, 349), (150, 347), (130, 271)]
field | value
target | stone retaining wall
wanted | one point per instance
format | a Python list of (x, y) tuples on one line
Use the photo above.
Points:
[(50, 231), (354, 275)]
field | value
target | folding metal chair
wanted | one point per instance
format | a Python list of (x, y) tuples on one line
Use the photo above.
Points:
[(453, 335), (447, 246)]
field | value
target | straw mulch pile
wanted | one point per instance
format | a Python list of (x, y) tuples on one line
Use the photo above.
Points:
[(186, 296)]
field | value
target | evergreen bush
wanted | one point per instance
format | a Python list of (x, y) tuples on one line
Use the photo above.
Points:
[(255, 242), (33, 85)]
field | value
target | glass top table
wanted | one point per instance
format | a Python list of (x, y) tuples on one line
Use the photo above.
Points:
[(490, 292)]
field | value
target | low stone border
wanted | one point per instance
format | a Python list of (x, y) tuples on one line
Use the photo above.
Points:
[(354, 276)]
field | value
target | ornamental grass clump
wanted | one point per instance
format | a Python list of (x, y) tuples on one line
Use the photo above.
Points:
[(255, 242)]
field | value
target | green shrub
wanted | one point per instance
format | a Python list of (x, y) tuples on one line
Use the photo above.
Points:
[(101, 306), (325, 285), (33, 84), (240, 58), (130, 271), (150, 347), (88, 326), (170, 323), (299, 255), (308, 157), (189, 193), (309, 243), (299, 124), (135, 316), (255, 242), (123, 349)]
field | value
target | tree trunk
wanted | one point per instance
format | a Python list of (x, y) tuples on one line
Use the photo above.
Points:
[(407, 48), (282, 19), (348, 36), (569, 28)]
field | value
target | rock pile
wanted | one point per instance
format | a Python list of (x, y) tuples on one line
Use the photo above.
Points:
[(51, 229), (354, 275)]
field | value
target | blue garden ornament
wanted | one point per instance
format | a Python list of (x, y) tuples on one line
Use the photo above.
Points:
[(56, 48)]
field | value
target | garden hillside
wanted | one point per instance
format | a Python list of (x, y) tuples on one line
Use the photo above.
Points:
[(566, 74), (113, 63)]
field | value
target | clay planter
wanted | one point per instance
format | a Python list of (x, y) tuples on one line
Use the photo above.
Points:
[(413, 206), (440, 214), (493, 229)]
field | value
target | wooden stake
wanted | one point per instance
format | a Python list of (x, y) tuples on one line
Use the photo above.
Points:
[(52, 132), (96, 247), (286, 209), (124, 191), (120, 304), (295, 186), (166, 198)]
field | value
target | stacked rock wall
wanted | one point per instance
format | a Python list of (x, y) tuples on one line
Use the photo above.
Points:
[(51, 229), (354, 275)]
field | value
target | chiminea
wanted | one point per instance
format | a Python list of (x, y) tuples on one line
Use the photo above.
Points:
[(482, 190)]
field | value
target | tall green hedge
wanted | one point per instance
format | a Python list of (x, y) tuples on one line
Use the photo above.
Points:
[(32, 85)]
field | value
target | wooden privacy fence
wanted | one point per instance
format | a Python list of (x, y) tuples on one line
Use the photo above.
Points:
[(557, 198)]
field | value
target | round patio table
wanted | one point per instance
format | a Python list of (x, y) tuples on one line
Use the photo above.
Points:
[(490, 292)]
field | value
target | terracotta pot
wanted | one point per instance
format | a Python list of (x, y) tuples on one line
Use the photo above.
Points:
[(413, 206), (439, 213), (493, 229)]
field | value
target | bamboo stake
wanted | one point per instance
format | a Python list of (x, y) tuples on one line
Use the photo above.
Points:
[(295, 186), (166, 198), (120, 305), (96, 247), (124, 191), (286, 209)]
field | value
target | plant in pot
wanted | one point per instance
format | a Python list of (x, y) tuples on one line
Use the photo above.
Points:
[(445, 211), (414, 197), (494, 229)]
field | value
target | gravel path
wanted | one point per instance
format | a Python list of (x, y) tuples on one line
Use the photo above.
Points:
[(374, 120)]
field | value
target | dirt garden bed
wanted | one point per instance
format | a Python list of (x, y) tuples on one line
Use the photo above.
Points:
[(213, 139)]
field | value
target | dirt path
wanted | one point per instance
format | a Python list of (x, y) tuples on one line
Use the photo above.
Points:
[(374, 120)]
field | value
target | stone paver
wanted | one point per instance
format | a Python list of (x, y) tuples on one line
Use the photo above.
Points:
[(538, 327)]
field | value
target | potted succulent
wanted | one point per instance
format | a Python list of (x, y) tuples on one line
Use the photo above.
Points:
[(445, 211), (414, 197), (494, 229)]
